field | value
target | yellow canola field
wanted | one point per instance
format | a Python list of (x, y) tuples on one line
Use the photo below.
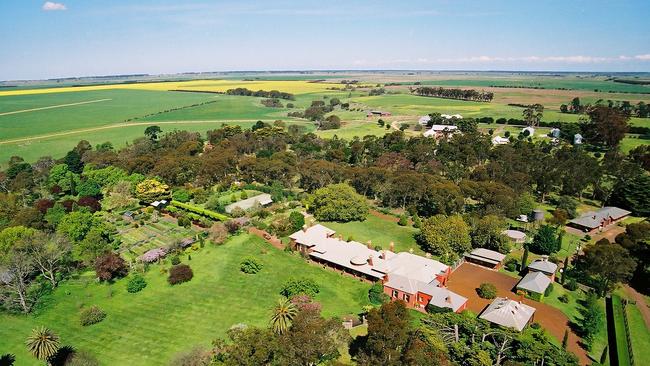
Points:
[(293, 87)]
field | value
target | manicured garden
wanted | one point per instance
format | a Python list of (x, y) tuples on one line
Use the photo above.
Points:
[(162, 234), (149, 327)]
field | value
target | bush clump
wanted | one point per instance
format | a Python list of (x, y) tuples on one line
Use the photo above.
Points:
[(563, 298), (301, 286), (179, 274), (487, 291), (512, 265), (251, 265), (548, 290), (136, 284), (91, 315), (376, 294)]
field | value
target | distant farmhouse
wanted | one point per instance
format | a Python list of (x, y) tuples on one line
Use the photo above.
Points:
[(498, 140), (261, 199), (599, 220), (438, 131), (378, 114), (417, 280)]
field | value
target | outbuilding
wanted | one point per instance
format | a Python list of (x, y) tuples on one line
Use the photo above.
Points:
[(485, 258), (508, 313)]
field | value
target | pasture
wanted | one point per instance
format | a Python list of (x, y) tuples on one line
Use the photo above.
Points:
[(218, 297)]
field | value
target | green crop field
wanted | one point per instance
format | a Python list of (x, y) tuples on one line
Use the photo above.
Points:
[(119, 113), (145, 328), (117, 106), (547, 82)]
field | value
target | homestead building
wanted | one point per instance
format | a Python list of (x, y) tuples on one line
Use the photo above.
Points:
[(594, 221), (416, 280)]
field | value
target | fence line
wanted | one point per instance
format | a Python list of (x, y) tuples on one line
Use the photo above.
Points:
[(627, 331)]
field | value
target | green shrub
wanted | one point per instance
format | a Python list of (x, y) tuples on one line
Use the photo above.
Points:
[(487, 291), (250, 265), (571, 284), (91, 315), (432, 309), (301, 286), (176, 260), (563, 298), (136, 284), (183, 221), (179, 274), (548, 290), (403, 221), (181, 195), (376, 294), (512, 264), (199, 211)]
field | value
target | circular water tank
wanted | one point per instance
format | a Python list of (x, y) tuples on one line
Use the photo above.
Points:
[(538, 215)]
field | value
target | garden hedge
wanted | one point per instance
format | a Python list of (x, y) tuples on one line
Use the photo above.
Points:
[(200, 211)]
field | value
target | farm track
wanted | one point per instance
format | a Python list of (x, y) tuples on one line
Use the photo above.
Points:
[(120, 125), (54, 106)]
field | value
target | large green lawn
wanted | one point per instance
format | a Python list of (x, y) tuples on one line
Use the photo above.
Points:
[(149, 327), (380, 232)]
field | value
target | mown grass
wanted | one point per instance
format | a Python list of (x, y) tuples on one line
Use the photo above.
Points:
[(381, 232), (620, 331), (639, 334), (149, 327)]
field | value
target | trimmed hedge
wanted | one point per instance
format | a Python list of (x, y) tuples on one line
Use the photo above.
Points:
[(200, 211)]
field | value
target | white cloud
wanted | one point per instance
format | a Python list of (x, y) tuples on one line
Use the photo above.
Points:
[(645, 57), (51, 6)]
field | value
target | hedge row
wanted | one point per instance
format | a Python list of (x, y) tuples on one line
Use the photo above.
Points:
[(200, 211)]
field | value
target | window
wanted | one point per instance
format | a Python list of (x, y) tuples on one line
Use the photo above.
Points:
[(407, 298), (395, 294)]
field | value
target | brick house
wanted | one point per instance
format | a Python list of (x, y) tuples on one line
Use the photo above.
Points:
[(417, 280), (597, 221)]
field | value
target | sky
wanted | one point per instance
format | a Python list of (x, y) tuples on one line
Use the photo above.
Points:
[(67, 38)]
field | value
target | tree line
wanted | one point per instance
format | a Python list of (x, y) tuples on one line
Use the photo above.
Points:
[(640, 110), (273, 94), (453, 93)]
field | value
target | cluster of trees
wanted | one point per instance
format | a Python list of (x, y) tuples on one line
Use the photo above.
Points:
[(641, 109), (273, 94), (450, 339), (454, 182), (453, 93), (272, 103)]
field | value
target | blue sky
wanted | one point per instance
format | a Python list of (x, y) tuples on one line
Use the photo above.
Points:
[(95, 37)]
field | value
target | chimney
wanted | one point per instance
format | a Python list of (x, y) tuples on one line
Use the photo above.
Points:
[(411, 250), (370, 259), (369, 244), (383, 254), (340, 237), (392, 246), (385, 278), (304, 228)]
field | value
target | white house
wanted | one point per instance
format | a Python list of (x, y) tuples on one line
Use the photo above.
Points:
[(424, 120), (439, 130), (531, 131), (498, 140)]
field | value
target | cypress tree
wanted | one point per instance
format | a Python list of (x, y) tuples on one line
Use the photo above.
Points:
[(524, 258), (565, 339)]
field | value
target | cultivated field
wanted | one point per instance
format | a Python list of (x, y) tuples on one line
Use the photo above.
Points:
[(51, 120)]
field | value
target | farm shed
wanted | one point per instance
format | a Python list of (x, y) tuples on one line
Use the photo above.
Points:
[(261, 199), (485, 257), (534, 284)]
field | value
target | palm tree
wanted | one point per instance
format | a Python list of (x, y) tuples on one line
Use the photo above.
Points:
[(283, 313), (43, 343)]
